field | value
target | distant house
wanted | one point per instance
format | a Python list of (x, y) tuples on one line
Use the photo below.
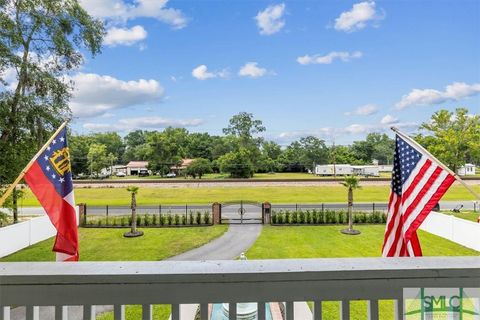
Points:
[(346, 169), (182, 166), (467, 170), (134, 167)]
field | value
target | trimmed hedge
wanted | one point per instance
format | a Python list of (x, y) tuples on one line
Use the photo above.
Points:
[(197, 218), (326, 217)]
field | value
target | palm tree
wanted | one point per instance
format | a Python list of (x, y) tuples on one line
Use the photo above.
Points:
[(133, 231), (352, 183)]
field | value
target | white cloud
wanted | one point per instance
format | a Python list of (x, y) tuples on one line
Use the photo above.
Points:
[(201, 73), (329, 58), (365, 110), (388, 119), (252, 70), (95, 95), (125, 36), (358, 17), (270, 20), (143, 122), (453, 92), (121, 11)]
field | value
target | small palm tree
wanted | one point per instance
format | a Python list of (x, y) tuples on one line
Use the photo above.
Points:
[(133, 231), (351, 183)]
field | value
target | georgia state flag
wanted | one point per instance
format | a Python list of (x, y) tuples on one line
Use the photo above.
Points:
[(50, 179)]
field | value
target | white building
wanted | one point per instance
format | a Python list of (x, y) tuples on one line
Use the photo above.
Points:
[(134, 167), (330, 169), (467, 170), (346, 169), (367, 171)]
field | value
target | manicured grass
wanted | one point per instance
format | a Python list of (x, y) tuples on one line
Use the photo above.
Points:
[(110, 245), (328, 242), (464, 214), (207, 195), (160, 312)]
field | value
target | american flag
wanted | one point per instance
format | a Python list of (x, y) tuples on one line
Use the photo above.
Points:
[(418, 183)]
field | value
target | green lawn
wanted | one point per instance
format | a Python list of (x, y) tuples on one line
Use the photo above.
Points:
[(328, 242), (110, 245), (207, 195)]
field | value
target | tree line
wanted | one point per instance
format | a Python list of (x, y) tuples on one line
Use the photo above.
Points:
[(240, 152)]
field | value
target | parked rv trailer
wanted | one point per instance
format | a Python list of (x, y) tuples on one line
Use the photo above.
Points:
[(330, 170)]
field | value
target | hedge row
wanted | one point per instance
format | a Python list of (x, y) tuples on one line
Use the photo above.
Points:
[(326, 217), (147, 220)]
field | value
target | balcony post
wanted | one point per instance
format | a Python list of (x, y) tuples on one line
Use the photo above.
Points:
[(5, 313), (33, 313), (317, 310), (372, 310), (232, 311), (61, 313), (147, 312), (119, 312), (204, 311), (289, 310), (175, 311), (344, 310), (261, 310), (89, 312)]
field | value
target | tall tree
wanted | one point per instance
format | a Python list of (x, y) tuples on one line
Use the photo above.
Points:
[(40, 42), (453, 137), (245, 127)]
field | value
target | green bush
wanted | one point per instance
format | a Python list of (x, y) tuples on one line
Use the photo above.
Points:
[(314, 216), (4, 219), (154, 219), (190, 214), (177, 219), (139, 220), (130, 220), (123, 222), (341, 217), (161, 219), (294, 217), (99, 222), (301, 217), (146, 220), (199, 218), (308, 217), (206, 217), (169, 219), (274, 218)]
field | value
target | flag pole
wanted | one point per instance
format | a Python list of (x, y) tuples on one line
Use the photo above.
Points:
[(425, 151), (24, 171)]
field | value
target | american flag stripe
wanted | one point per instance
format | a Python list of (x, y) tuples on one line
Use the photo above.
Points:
[(418, 183), (394, 229)]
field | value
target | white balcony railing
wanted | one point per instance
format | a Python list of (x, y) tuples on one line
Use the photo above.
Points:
[(176, 283)]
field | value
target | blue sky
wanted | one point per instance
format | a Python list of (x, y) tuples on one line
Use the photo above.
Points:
[(334, 69)]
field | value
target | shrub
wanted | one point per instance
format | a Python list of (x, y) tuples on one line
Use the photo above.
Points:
[(130, 220), (114, 222), (280, 219), (274, 218), (177, 219), (146, 220), (308, 217), (199, 217), (154, 219), (356, 217), (191, 216), (162, 219), (314, 216), (321, 217), (341, 217), (294, 217), (287, 217), (206, 217), (169, 219), (123, 222), (384, 217), (99, 222), (301, 217)]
